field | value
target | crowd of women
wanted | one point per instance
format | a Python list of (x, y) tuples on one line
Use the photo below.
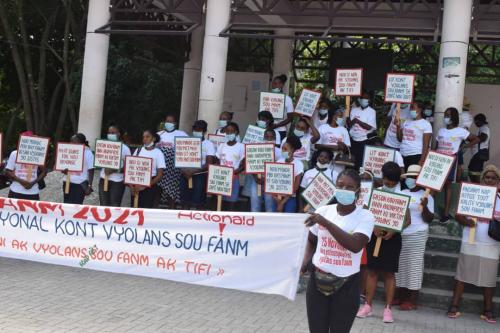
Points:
[(332, 143)]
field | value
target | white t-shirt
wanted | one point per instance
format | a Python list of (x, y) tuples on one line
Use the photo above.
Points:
[(156, 155), (413, 136), (88, 164), (483, 145), (417, 223), (312, 173), (231, 156), (298, 167), (449, 140), (207, 149), (482, 229), (317, 122), (398, 159), (391, 139), (333, 135), (367, 116), (21, 171), (332, 257), (288, 109), (167, 139), (117, 177), (304, 153)]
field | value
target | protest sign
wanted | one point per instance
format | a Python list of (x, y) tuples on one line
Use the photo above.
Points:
[(348, 81), (187, 152), (389, 210), (138, 171), (375, 157), (435, 171), (279, 178), (233, 250), (216, 139), (32, 150), (108, 154), (307, 103), (399, 88), (254, 134), (365, 192), (69, 157), (220, 182), (320, 191), (274, 103), (256, 154)]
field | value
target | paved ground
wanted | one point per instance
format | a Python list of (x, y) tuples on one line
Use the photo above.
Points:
[(37, 297)]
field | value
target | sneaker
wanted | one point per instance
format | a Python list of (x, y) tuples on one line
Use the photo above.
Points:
[(388, 318), (365, 311), (444, 219)]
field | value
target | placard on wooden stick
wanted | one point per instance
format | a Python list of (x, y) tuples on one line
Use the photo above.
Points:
[(108, 155), (274, 103), (399, 88), (365, 192), (187, 152), (254, 134), (320, 192), (348, 81), (435, 171), (307, 103), (69, 157), (256, 155), (220, 182), (375, 157), (32, 151), (279, 178), (138, 171)]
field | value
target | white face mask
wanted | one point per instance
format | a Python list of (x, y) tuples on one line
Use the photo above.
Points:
[(322, 166), (149, 145), (323, 112)]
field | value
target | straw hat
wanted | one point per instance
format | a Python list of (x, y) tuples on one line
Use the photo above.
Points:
[(413, 171)]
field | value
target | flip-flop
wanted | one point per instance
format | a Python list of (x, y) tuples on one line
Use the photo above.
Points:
[(489, 319), (453, 312)]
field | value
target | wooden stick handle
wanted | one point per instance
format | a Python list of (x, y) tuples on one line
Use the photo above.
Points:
[(398, 111), (29, 173), (306, 208), (136, 200), (472, 232), (347, 107), (426, 195), (219, 203), (259, 186), (190, 183), (66, 186), (377, 247), (106, 183)]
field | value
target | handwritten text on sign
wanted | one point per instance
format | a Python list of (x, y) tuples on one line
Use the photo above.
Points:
[(279, 178), (477, 201), (307, 103), (32, 150), (108, 154), (220, 180), (187, 152), (365, 192), (348, 82), (319, 192), (274, 103), (254, 134), (389, 209), (138, 170), (399, 88), (216, 139), (229, 250), (256, 155), (435, 170), (375, 157), (69, 157)]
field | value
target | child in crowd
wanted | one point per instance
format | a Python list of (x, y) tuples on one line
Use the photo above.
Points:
[(308, 135)]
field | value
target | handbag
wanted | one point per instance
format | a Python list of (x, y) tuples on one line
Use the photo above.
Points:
[(327, 283), (484, 154), (494, 230)]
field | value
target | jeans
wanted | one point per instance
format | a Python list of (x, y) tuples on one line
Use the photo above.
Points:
[(76, 194), (113, 197), (15, 195), (255, 200), (290, 205)]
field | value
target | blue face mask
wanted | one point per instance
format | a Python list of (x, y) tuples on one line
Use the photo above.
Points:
[(447, 120), (230, 137), (323, 112), (364, 102), (298, 133), (198, 134), (112, 137), (222, 123), (340, 121), (169, 127), (276, 90), (413, 114), (261, 123), (345, 197), (411, 183), (389, 189), (284, 154)]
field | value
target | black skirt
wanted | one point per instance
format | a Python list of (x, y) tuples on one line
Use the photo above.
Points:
[(388, 256)]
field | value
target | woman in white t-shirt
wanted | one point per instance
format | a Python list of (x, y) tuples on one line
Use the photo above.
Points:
[(148, 195), (308, 136), (478, 262), (225, 118), (415, 136), (448, 141), (114, 195), (277, 86), (481, 151), (320, 115), (391, 134), (335, 244), (80, 182), (167, 136), (334, 135)]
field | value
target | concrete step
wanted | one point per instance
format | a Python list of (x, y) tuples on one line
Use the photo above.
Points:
[(442, 261), (445, 280), (443, 243)]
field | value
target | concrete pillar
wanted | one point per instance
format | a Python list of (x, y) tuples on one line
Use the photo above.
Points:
[(283, 57), (213, 69), (95, 64), (453, 53), (191, 82)]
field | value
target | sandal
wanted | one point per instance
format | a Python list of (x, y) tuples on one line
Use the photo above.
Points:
[(453, 312), (407, 306), (487, 316)]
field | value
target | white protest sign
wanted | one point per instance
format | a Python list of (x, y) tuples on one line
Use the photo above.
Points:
[(216, 139), (220, 180), (256, 155), (254, 134), (32, 150), (279, 178), (320, 191), (274, 103), (69, 156), (307, 103), (389, 209), (108, 154), (375, 157), (435, 171), (187, 152), (138, 170), (365, 193), (477, 201), (399, 88), (348, 81)]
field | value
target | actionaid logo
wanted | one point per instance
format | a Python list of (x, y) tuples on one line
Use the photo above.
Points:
[(217, 218)]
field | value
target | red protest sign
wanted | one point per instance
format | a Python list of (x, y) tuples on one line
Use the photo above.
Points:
[(435, 170), (220, 180), (69, 156), (32, 150), (320, 191), (375, 157), (256, 155), (279, 178), (187, 152), (138, 170), (389, 209), (348, 81), (108, 154), (399, 88)]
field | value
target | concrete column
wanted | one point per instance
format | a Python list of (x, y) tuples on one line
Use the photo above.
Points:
[(282, 61), (453, 53), (191, 82), (95, 64), (213, 69)]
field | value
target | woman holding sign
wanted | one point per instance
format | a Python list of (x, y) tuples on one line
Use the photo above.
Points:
[(336, 232), (320, 115), (168, 135), (478, 262), (277, 86), (308, 135)]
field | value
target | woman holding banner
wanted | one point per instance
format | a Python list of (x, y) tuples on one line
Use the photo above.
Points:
[(336, 232), (478, 262)]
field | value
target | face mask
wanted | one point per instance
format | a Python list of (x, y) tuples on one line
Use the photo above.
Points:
[(284, 154), (411, 183), (340, 121), (413, 114), (198, 134), (447, 121), (345, 197), (389, 189), (364, 102), (230, 137), (222, 123), (261, 123), (323, 112), (169, 127), (428, 112), (322, 166), (276, 90), (298, 133), (112, 137), (149, 145)]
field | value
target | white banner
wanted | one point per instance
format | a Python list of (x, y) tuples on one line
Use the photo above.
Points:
[(257, 252)]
